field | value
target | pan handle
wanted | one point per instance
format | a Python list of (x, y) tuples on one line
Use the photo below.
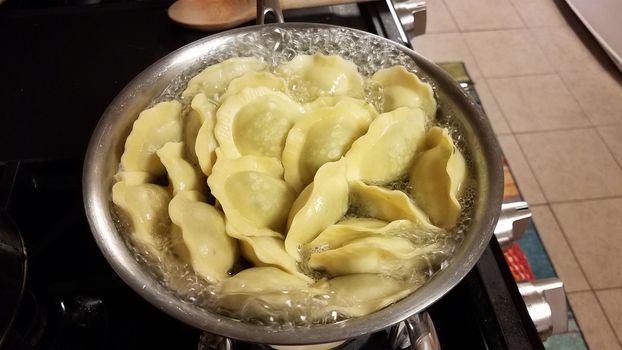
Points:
[(269, 6)]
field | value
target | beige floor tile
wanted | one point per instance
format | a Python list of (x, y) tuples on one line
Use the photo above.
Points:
[(572, 164), (613, 138), (598, 92), (446, 47), (497, 120), (593, 323), (538, 13), (539, 102), (611, 300), (484, 14), (438, 18), (523, 176), (507, 53), (559, 251), (564, 49), (593, 231)]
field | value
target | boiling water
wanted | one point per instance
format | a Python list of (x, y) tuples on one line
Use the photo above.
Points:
[(276, 46)]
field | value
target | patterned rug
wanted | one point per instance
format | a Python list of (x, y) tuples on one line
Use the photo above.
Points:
[(527, 258)]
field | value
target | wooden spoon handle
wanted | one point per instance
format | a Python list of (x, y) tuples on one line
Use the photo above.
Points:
[(297, 4)]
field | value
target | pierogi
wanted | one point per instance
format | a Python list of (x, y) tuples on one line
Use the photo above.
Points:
[(279, 199)]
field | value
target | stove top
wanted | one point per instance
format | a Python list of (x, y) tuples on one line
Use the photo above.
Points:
[(63, 62)]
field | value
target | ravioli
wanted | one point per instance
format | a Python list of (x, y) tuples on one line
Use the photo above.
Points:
[(253, 195), (211, 251), (437, 177), (323, 135), (145, 206), (255, 79), (255, 122), (318, 206), (213, 80), (361, 294), (153, 128), (386, 152), (401, 88), (318, 75), (182, 175)]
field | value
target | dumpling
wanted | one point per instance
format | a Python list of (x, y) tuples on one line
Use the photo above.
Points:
[(260, 290), (318, 206), (199, 133), (386, 152), (437, 177), (361, 294), (312, 76), (255, 79), (337, 235), (255, 121), (211, 251), (133, 177), (213, 80), (145, 206), (253, 195), (321, 136), (267, 251), (402, 88), (383, 254), (182, 175), (153, 128), (388, 205)]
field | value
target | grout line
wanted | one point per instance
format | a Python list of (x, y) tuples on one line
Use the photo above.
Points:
[(533, 175), (551, 72), (518, 13), (604, 289), (600, 136), (483, 81), (613, 329), (543, 131), (599, 198)]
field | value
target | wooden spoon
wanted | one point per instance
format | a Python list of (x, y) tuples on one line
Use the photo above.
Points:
[(214, 15)]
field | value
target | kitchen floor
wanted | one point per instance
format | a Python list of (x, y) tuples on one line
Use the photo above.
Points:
[(555, 102)]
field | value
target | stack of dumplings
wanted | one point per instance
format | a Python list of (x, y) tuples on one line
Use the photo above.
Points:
[(324, 202)]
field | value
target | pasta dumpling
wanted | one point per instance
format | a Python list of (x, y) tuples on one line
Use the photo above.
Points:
[(203, 144), (436, 178), (252, 194), (255, 121), (383, 254), (401, 88), (323, 135), (361, 294), (388, 205), (268, 251), (345, 231), (211, 251), (318, 206), (153, 128), (386, 152), (213, 80), (321, 75), (182, 175), (255, 79), (260, 290), (146, 207)]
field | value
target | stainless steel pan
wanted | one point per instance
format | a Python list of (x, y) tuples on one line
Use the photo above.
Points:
[(106, 147)]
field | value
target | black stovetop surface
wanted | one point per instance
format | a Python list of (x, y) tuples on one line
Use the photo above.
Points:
[(62, 62)]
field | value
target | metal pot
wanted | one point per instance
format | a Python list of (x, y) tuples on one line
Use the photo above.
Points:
[(106, 147)]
